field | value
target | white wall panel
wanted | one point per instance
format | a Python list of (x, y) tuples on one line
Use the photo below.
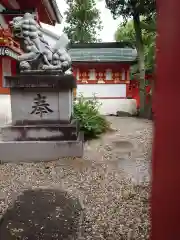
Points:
[(112, 106), (102, 90)]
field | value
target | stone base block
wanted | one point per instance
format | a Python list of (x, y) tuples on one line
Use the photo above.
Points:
[(50, 132), (39, 104), (39, 96), (37, 151)]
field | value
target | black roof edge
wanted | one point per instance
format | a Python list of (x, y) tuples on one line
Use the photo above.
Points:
[(56, 10), (102, 45), (89, 62)]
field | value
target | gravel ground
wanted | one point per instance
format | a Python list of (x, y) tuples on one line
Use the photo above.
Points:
[(111, 182)]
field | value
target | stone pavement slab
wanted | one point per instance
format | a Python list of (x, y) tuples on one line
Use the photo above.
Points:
[(42, 214)]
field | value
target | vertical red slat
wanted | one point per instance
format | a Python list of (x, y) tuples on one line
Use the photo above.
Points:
[(13, 67), (2, 89), (1, 73), (166, 153)]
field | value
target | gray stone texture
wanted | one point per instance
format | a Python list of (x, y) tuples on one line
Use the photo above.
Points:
[(26, 219), (37, 151), (42, 127), (40, 132), (23, 102)]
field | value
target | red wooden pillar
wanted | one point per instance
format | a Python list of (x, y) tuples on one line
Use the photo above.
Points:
[(166, 154)]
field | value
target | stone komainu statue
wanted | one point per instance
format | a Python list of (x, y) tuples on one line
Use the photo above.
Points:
[(38, 54)]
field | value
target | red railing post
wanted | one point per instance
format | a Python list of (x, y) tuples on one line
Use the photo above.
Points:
[(166, 146)]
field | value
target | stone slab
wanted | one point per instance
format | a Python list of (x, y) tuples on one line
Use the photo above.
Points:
[(42, 132), (42, 213), (37, 80), (41, 105), (38, 151)]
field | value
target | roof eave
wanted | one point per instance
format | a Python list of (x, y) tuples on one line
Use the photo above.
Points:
[(121, 44), (103, 62), (53, 10), (56, 11)]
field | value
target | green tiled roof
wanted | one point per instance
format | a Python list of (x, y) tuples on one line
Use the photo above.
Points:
[(102, 52)]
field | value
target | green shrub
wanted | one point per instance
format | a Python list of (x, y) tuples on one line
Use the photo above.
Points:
[(92, 123)]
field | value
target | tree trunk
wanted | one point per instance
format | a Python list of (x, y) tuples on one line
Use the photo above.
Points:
[(141, 63), (148, 108)]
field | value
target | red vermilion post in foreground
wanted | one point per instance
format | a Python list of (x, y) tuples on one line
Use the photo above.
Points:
[(166, 154)]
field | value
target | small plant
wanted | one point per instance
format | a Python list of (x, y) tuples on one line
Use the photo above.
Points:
[(92, 123)]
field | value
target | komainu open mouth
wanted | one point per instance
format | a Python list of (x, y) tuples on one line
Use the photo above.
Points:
[(17, 31)]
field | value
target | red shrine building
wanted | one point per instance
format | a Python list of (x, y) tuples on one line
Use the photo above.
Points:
[(103, 70), (45, 11)]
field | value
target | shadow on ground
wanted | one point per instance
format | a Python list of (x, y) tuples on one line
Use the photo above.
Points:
[(42, 214)]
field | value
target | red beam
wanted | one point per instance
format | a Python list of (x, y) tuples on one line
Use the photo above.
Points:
[(5, 3), (45, 15), (42, 10), (166, 154)]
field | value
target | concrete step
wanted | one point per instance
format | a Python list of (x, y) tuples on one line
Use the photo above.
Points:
[(38, 151)]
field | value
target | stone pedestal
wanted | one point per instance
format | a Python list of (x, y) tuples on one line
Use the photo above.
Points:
[(42, 126)]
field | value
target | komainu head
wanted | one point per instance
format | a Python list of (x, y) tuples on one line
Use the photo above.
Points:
[(25, 26)]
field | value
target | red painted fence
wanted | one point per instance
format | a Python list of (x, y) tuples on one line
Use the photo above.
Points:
[(133, 89)]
